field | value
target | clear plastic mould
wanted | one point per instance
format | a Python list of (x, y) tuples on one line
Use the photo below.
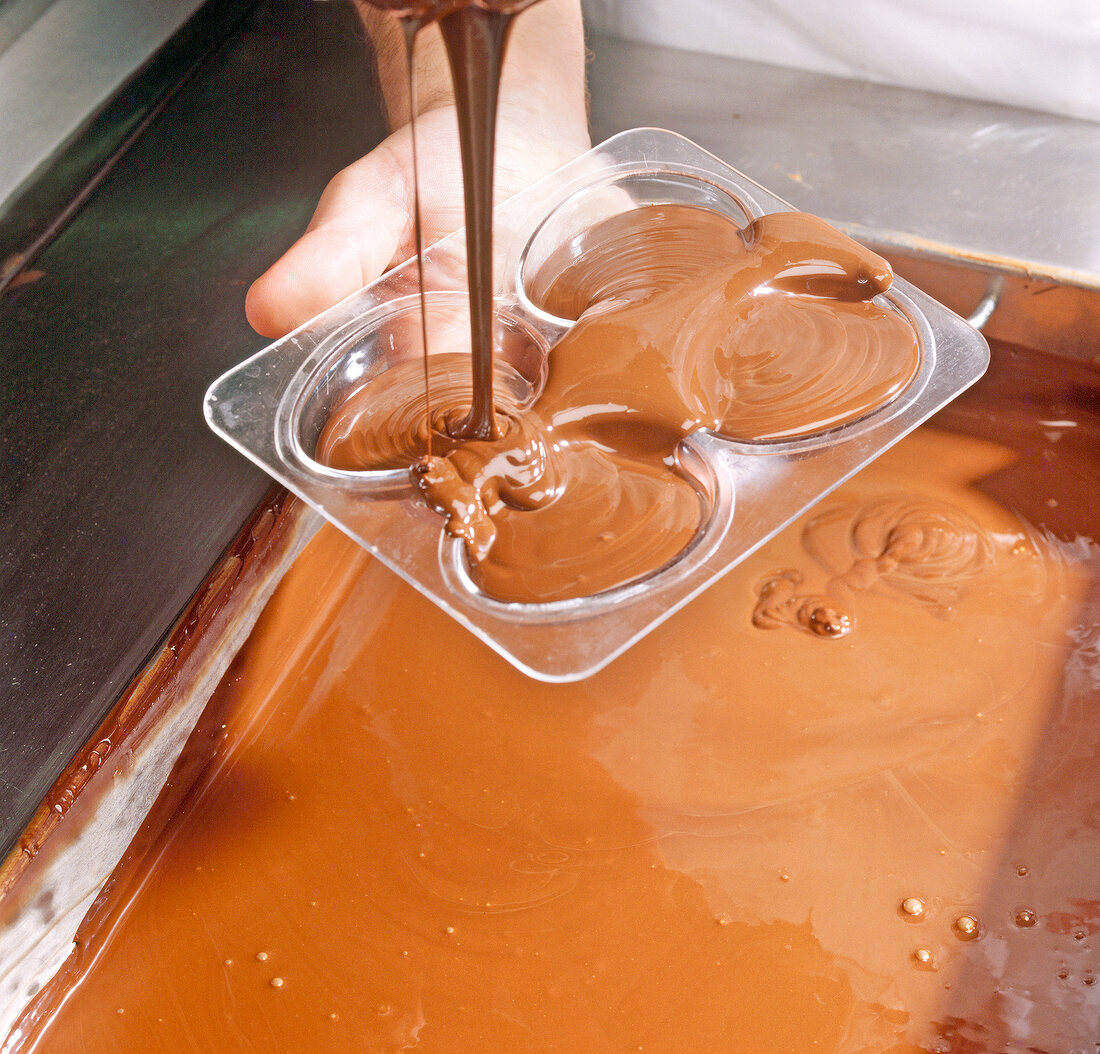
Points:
[(272, 407)]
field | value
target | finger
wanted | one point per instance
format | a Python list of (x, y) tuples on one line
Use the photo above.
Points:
[(356, 231), (317, 271)]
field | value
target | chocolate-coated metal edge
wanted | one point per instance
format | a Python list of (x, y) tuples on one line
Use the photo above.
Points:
[(115, 498)]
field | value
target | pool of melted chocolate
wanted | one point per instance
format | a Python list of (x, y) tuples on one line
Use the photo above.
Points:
[(742, 836), (683, 321)]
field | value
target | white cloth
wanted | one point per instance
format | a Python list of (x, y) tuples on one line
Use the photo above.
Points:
[(1041, 55)]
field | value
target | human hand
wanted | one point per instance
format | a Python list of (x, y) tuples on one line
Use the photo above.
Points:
[(364, 224)]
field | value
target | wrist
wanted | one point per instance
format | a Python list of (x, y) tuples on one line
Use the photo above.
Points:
[(543, 76)]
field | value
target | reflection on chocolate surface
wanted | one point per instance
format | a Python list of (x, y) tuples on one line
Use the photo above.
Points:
[(685, 322), (729, 840)]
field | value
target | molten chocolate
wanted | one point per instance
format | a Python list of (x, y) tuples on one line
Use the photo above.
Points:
[(930, 553), (684, 322), (729, 840), (475, 36)]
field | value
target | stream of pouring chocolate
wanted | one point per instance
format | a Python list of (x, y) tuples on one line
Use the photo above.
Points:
[(683, 322), (735, 840), (475, 35)]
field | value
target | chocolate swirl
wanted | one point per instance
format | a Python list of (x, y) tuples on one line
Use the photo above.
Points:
[(923, 551), (382, 423), (928, 551)]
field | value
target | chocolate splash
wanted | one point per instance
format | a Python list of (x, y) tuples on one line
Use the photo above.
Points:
[(926, 552)]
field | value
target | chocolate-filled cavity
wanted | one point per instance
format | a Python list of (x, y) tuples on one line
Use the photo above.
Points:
[(766, 332), (555, 241), (360, 418)]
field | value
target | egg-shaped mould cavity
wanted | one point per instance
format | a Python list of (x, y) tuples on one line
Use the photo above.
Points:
[(826, 432), (373, 372), (561, 236), (713, 485)]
